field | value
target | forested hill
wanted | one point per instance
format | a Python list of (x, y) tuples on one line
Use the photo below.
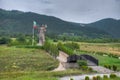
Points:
[(15, 22), (108, 25)]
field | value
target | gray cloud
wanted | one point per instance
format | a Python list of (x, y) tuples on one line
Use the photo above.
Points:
[(84, 11)]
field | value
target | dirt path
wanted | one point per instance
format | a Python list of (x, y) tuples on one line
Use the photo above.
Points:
[(62, 58), (60, 67)]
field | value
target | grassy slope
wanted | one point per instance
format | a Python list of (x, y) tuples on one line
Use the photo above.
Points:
[(21, 59), (18, 63)]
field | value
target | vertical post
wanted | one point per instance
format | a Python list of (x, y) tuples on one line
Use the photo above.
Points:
[(33, 37), (39, 35)]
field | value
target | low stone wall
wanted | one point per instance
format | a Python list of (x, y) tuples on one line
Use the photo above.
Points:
[(63, 59), (70, 65)]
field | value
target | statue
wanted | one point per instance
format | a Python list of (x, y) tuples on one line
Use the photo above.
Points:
[(42, 31)]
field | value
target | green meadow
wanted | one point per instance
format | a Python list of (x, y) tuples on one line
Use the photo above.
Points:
[(30, 64), (36, 64)]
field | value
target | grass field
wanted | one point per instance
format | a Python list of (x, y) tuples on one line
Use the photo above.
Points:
[(36, 64), (113, 48), (30, 64), (108, 48), (105, 60), (22, 59), (39, 75)]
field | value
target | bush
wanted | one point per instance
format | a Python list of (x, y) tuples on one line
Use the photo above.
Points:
[(72, 45), (94, 78), (64, 48), (109, 66), (4, 40), (87, 78), (71, 79), (105, 77), (113, 76), (90, 69), (51, 48), (55, 40), (114, 67), (82, 63), (106, 66), (98, 78), (84, 67)]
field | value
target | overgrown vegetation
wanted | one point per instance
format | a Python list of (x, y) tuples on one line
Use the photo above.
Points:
[(68, 48), (105, 77), (5, 40), (51, 48), (82, 63), (112, 67), (39, 75), (87, 78), (21, 59)]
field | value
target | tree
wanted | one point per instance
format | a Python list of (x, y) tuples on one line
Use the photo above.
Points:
[(21, 39), (4, 40)]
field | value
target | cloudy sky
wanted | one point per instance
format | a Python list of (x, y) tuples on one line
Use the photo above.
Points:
[(83, 11)]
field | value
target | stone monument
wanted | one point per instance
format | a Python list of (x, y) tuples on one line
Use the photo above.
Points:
[(41, 35)]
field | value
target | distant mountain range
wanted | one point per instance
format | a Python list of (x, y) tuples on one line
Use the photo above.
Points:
[(15, 22)]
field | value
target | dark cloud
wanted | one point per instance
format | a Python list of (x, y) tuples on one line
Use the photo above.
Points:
[(70, 10)]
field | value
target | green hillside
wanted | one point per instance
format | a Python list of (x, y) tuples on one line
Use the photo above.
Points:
[(109, 25), (21, 59), (15, 22)]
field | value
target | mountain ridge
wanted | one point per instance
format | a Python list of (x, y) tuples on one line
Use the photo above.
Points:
[(111, 26), (13, 22)]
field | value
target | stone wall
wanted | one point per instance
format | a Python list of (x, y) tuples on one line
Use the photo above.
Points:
[(63, 59), (70, 65)]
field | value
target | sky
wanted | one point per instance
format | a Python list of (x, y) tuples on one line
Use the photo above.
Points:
[(81, 11)]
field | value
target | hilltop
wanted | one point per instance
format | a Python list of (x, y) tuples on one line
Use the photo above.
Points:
[(15, 22)]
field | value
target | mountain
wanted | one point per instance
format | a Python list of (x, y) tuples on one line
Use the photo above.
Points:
[(15, 22), (109, 25)]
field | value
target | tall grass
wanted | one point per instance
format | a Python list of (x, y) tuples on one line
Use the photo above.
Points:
[(23, 59)]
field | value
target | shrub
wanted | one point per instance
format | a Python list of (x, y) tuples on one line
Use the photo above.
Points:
[(82, 63), (98, 78), (90, 69), (55, 40), (72, 45), (84, 67), (114, 67), (94, 78), (71, 79), (51, 48), (113, 76), (109, 66), (64, 48), (87, 78), (4, 40), (106, 66), (105, 77)]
